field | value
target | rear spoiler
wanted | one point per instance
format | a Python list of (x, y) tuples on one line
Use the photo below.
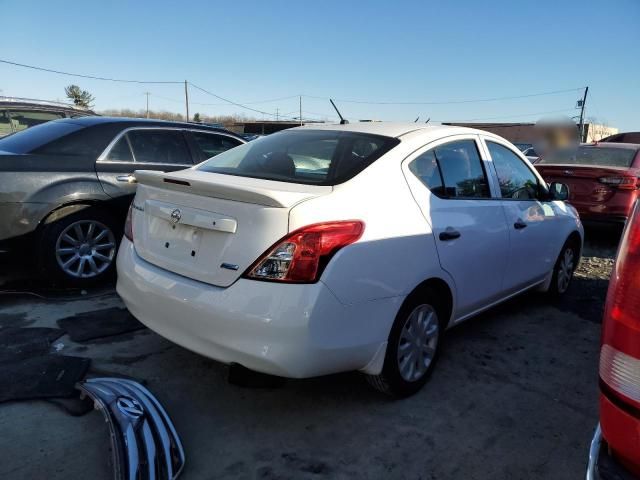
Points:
[(228, 187)]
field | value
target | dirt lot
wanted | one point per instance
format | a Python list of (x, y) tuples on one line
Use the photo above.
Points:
[(513, 397)]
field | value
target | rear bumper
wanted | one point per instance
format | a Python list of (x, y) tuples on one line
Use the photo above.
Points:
[(620, 426), (615, 210), (602, 466), (594, 220), (288, 330)]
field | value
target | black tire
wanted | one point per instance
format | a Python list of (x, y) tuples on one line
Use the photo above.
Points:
[(391, 380), (562, 275), (52, 239)]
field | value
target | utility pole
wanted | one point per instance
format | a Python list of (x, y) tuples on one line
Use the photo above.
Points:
[(147, 94), (300, 110), (186, 99), (582, 103), (277, 114)]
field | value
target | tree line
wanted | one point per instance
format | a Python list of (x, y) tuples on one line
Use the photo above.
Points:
[(84, 99)]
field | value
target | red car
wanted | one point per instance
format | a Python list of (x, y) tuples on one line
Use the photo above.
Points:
[(602, 178), (615, 449)]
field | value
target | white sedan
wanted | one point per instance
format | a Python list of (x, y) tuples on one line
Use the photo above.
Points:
[(343, 247)]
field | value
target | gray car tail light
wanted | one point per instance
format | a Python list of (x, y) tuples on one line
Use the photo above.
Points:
[(144, 441)]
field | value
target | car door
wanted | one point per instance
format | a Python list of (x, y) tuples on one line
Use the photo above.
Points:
[(532, 222), (468, 224), (141, 148), (210, 144)]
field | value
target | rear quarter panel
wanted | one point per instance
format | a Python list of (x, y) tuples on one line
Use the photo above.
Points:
[(31, 186), (397, 250)]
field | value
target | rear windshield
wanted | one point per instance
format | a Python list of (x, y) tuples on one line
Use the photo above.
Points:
[(599, 156), (312, 157), (30, 139)]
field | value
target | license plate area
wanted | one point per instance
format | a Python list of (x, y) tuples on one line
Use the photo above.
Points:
[(176, 242)]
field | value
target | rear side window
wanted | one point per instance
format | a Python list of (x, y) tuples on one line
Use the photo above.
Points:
[(120, 152), (212, 144), (30, 118), (312, 157), (31, 139), (452, 170), (159, 146), (596, 156)]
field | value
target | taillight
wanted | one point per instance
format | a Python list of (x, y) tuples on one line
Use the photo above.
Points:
[(302, 255), (128, 224), (622, 182), (620, 353)]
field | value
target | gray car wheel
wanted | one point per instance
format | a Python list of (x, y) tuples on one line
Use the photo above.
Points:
[(564, 268), (413, 346), (85, 249), (79, 248)]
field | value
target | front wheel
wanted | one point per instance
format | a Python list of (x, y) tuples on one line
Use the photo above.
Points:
[(412, 351), (564, 268)]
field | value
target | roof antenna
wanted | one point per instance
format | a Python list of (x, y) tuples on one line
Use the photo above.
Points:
[(427, 120), (342, 120), (417, 118)]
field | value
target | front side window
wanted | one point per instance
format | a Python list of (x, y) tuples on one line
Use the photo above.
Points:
[(159, 146), (452, 170), (516, 179), (212, 144), (311, 157), (29, 118)]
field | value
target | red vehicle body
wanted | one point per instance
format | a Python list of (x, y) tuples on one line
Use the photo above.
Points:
[(617, 451), (603, 179)]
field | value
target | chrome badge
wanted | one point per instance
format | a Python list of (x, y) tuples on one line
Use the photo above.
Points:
[(176, 215), (129, 407)]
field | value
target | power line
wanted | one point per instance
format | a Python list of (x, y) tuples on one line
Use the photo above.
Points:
[(231, 102), (223, 104), (244, 104), (271, 100), (82, 75), (451, 102), (510, 116)]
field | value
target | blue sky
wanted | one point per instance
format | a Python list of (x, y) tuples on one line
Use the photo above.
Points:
[(408, 51)]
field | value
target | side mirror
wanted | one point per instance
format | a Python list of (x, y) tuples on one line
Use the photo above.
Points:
[(559, 191)]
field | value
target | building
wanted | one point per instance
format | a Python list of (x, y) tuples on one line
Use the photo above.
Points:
[(529, 133)]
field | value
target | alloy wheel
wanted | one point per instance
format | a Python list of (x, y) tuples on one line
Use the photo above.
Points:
[(565, 270), (85, 249), (418, 342)]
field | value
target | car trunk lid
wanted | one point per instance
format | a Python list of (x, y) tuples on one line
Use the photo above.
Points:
[(211, 227), (586, 185)]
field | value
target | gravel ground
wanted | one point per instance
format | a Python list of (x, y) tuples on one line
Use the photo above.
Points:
[(514, 396)]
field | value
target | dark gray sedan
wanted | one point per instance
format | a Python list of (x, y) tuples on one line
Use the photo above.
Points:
[(65, 185)]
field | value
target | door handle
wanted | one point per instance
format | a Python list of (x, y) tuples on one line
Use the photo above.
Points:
[(519, 225), (449, 234), (126, 178)]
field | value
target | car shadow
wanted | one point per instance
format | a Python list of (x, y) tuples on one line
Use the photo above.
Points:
[(19, 277)]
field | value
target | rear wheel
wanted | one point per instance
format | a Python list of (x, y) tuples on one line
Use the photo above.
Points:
[(412, 351), (564, 268), (80, 248)]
